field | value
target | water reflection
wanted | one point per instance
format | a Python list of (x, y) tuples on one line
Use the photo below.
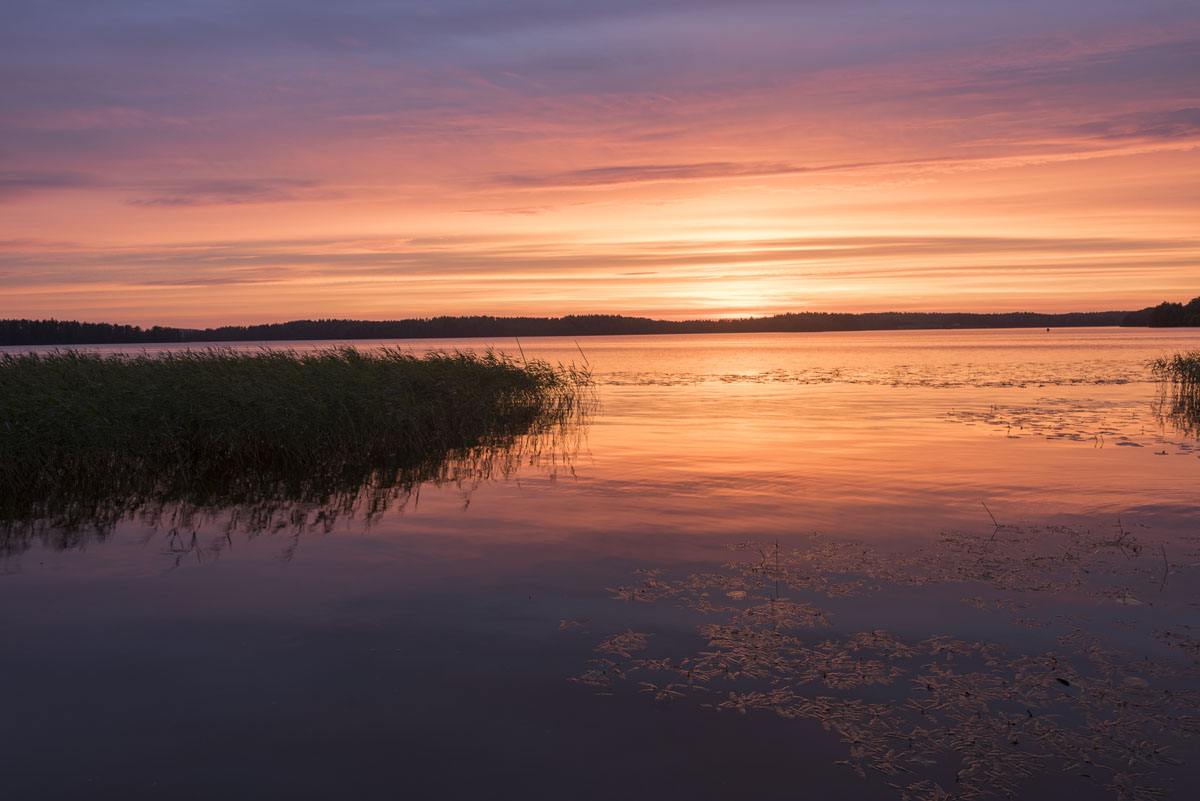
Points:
[(200, 512), (927, 638), (1179, 407)]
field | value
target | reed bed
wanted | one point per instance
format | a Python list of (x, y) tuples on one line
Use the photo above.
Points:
[(1182, 370), (1179, 401), (81, 431)]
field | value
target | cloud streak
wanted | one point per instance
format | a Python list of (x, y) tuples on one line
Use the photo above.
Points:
[(165, 194), (1180, 123), (340, 260), (15, 183), (654, 173), (213, 192)]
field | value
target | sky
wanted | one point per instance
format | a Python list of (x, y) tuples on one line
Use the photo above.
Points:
[(204, 162)]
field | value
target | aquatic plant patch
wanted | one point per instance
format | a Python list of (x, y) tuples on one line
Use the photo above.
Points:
[(85, 437)]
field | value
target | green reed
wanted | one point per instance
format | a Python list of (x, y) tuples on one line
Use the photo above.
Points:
[(1179, 401), (84, 435), (1182, 370)]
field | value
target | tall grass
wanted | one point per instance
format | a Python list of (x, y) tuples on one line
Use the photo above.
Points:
[(1182, 370), (84, 435), (1179, 401)]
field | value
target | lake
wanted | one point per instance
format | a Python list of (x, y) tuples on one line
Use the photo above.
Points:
[(927, 564)]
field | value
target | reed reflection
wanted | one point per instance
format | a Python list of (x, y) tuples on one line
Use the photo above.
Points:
[(1178, 402), (200, 520)]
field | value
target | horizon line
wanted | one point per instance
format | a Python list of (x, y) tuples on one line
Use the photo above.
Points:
[(580, 315)]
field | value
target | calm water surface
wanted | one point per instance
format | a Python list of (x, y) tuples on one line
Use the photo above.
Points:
[(772, 566)]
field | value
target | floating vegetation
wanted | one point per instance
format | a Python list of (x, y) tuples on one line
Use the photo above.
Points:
[(1100, 566), (1164, 424), (1179, 399), (950, 375), (939, 716), (271, 438), (1090, 422)]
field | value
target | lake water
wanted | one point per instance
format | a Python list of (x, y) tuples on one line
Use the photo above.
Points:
[(846, 565)]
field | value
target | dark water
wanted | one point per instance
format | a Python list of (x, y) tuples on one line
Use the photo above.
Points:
[(941, 564)]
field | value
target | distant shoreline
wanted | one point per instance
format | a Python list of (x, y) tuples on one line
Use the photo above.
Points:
[(351, 341), (69, 332)]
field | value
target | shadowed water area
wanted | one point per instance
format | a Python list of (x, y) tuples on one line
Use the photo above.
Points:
[(925, 565)]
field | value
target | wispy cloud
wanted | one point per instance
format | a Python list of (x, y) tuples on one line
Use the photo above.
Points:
[(451, 259), (212, 192), (14, 183), (1170, 124), (168, 194), (654, 173)]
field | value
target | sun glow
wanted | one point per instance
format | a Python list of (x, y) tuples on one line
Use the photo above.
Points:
[(812, 170)]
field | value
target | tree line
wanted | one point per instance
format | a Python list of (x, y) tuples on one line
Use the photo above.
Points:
[(72, 332), (1167, 315)]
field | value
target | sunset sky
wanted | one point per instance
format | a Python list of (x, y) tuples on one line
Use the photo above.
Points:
[(215, 161)]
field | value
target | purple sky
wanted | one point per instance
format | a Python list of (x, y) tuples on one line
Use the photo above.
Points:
[(219, 161)]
